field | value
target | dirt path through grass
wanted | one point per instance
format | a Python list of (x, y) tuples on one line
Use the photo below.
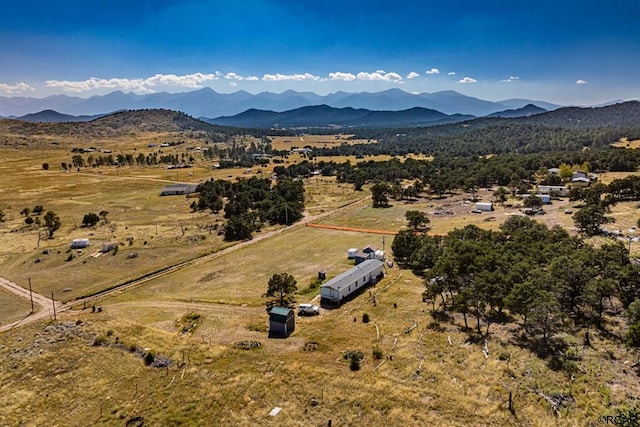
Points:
[(43, 306)]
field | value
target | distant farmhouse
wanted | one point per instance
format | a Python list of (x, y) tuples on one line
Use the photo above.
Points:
[(302, 150), (580, 179), (178, 189), (560, 190)]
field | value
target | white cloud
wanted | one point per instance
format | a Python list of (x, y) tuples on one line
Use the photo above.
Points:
[(134, 85), (16, 88), (188, 80), (347, 77), (234, 76), (433, 71), (467, 80), (378, 75), (509, 80), (581, 82), (412, 75), (295, 77), (451, 73), (192, 81)]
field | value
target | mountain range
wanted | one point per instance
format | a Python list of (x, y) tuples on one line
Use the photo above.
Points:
[(208, 103)]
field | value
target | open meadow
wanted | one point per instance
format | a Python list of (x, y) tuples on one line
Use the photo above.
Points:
[(88, 366)]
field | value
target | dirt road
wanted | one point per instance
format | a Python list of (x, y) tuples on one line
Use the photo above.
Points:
[(43, 306)]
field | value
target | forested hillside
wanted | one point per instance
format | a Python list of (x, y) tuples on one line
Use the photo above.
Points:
[(566, 129)]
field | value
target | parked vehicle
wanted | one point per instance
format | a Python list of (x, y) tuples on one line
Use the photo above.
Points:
[(308, 310)]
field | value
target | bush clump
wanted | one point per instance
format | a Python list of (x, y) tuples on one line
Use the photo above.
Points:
[(148, 358)]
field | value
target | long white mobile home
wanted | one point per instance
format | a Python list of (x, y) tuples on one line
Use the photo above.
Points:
[(345, 284)]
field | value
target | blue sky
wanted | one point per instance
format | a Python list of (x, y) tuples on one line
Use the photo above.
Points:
[(563, 51)]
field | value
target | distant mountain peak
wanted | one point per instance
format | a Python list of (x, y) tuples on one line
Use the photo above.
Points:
[(526, 111), (206, 102)]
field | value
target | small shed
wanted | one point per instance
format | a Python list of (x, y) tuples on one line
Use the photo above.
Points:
[(80, 243), (351, 253), (484, 206), (361, 257), (282, 321), (371, 249), (109, 246)]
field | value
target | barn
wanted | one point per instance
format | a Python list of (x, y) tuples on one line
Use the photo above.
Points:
[(282, 321), (346, 284)]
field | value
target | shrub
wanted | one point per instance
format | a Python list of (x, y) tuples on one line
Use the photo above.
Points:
[(99, 340), (377, 353), (148, 358), (354, 362), (633, 335)]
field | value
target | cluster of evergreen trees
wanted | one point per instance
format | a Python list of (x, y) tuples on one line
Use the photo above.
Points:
[(141, 159), (554, 281), (249, 203)]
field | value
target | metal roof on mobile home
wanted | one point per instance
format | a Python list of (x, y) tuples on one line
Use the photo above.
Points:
[(348, 277)]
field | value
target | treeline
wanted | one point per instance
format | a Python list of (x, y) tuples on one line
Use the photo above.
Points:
[(555, 282), (444, 173), (250, 203), (467, 140), (129, 160)]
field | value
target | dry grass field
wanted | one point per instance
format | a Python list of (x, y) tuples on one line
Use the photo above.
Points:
[(87, 368), (625, 143), (314, 141), (419, 380)]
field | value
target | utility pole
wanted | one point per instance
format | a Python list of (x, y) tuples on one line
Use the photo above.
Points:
[(54, 306), (31, 295)]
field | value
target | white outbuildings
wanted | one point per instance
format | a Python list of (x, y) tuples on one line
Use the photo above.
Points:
[(560, 190), (80, 243), (348, 283), (484, 206)]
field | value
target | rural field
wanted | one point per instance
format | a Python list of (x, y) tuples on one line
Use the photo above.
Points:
[(206, 325)]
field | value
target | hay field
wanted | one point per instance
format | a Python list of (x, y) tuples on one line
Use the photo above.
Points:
[(625, 143)]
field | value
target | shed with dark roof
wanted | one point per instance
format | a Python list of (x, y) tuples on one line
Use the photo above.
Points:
[(282, 321)]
